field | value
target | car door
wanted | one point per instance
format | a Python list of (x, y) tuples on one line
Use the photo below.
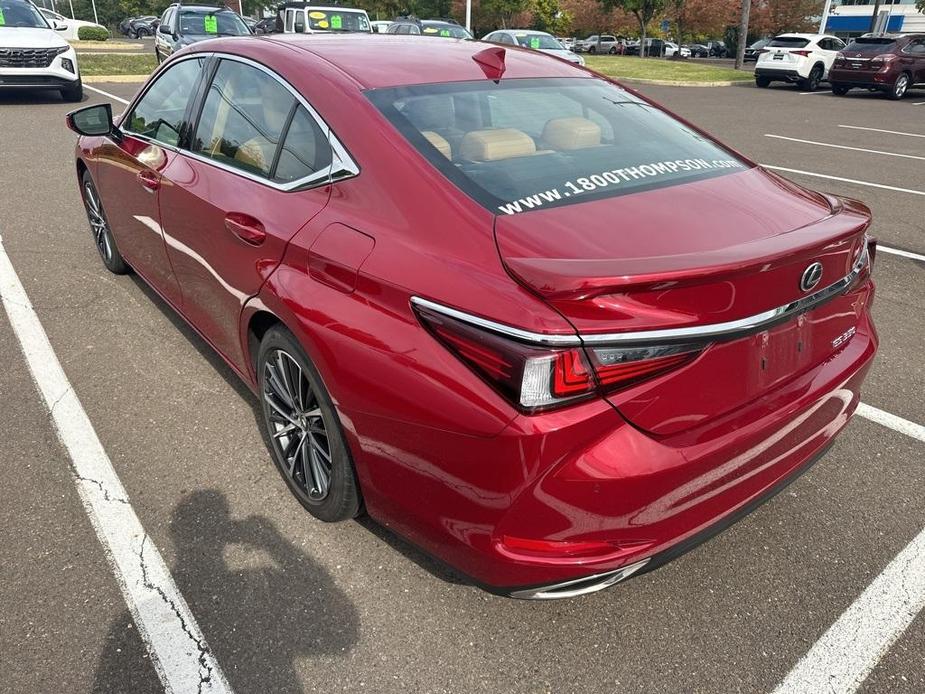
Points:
[(916, 52), (256, 170), (130, 171), (163, 37), (828, 49)]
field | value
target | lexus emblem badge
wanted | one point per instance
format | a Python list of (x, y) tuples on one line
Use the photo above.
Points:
[(811, 276)]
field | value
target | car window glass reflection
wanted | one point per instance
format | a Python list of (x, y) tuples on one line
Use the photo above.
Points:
[(159, 113), (243, 117)]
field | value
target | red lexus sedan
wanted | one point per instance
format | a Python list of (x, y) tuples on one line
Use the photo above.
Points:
[(525, 317)]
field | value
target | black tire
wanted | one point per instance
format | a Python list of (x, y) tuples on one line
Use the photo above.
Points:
[(100, 229), (762, 82), (612, 51), (157, 56), (811, 83), (317, 425), (592, 50), (73, 93), (840, 89), (900, 87), (132, 34), (141, 33)]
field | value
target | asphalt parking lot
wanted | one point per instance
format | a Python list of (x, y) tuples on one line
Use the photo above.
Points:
[(288, 604)]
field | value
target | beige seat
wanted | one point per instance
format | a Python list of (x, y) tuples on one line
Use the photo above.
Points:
[(439, 142), (565, 134), (497, 143)]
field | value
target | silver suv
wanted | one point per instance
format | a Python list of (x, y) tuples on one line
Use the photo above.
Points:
[(604, 43)]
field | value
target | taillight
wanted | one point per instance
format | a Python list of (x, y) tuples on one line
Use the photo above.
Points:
[(805, 54), (537, 377)]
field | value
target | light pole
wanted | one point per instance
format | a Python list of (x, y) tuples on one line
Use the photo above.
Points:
[(95, 18), (469, 16), (825, 15)]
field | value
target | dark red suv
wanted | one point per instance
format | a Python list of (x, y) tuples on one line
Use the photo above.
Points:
[(889, 62)]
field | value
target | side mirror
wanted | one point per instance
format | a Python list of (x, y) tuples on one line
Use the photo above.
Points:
[(91, 120), (164, 29), (60, 27)]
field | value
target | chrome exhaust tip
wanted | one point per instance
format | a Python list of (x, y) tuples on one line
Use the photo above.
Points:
[(579, 586)]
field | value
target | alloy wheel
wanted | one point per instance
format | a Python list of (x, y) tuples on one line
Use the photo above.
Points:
[(299, 433), (101, 233), (902, 84)]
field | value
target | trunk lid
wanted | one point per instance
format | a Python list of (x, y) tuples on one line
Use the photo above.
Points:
[(696, 254)]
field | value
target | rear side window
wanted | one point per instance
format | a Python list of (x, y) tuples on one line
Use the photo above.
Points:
[(243, 116), (524, 144), (160, 112), (305, 150), (788, 42)]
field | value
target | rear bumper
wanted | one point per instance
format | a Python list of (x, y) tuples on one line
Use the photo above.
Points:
[(784, 74), (582, 493), (866, 79)]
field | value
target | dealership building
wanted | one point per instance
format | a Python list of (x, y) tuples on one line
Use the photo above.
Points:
[(849, 18)]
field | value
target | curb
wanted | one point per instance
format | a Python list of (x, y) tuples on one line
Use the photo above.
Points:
[(681, 83), (90, 79)]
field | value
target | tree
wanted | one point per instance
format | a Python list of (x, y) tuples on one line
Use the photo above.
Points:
[(548, 16), (499, 13), (642, 10)]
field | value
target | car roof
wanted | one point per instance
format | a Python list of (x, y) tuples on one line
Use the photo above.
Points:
[(527, 32), (380, 60)]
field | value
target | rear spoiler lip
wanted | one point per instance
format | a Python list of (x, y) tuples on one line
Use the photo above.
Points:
[(708, 333)]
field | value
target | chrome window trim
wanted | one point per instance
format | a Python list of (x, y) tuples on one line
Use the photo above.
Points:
[(342, 164), (712, 332)]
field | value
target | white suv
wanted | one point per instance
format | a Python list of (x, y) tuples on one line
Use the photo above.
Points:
[(801, 58), (599, 44), (33, 55)]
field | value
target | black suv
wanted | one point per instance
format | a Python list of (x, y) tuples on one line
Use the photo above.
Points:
[(182, 25)]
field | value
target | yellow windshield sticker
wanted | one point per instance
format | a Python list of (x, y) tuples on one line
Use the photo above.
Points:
[(534, 43), (430, 30), (336, 22), (210, 23), (317, 15), (323, 24)]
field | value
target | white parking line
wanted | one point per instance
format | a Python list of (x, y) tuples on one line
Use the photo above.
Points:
[(846, 180), (854, 149), (896, 251), (840, 661), (903, 426), (177, 647), (881, 130), (107, 94)]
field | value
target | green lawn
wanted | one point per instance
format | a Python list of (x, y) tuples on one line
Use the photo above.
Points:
[(661, 69), (109, 64)]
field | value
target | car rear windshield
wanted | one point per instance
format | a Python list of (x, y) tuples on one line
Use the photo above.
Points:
[(523, 144), (217, 23), (337, 20), (538, 42), (788, 42), (447, 30), (873, 44)]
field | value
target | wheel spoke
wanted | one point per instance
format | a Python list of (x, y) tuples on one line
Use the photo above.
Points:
[(322, 454), (279, 388), (295, 456), (285, 431), (279, 409), (320, 478)]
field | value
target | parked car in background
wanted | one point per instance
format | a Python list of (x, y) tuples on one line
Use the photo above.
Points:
[(412, 265), (443, 28), (267, 25), (299, 17), (671, 49), (890, 63), (380, 26), (182, 25), (143, 27), (603, 43), (804, 59), (698, 50), (73, 25), (752, 52), (654, 48), (568, 42), (124, 25), (250, 22), (717, 49), (536, 40), (34, 54)]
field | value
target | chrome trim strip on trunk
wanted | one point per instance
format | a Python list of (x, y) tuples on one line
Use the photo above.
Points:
[(585, 585), (702, 333)]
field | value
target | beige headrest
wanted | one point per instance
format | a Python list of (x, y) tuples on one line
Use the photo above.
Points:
[(500, 143), (256, 153), (439, 142), (571, 133)]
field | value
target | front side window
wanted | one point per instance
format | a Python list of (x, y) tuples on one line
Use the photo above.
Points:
[(160, 112), (524, 144), (16, 14), (243, 116)]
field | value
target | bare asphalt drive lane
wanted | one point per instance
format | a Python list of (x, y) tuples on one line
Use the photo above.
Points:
[(288, 604)]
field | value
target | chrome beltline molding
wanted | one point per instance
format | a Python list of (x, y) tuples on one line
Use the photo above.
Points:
[(697, 333)]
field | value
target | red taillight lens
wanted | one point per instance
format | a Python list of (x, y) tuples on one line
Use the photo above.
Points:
[(801, 53), (535, 377)]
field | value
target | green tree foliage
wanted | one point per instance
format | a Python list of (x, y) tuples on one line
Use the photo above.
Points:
[(642, 10), (500, 13), (549, 16)]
